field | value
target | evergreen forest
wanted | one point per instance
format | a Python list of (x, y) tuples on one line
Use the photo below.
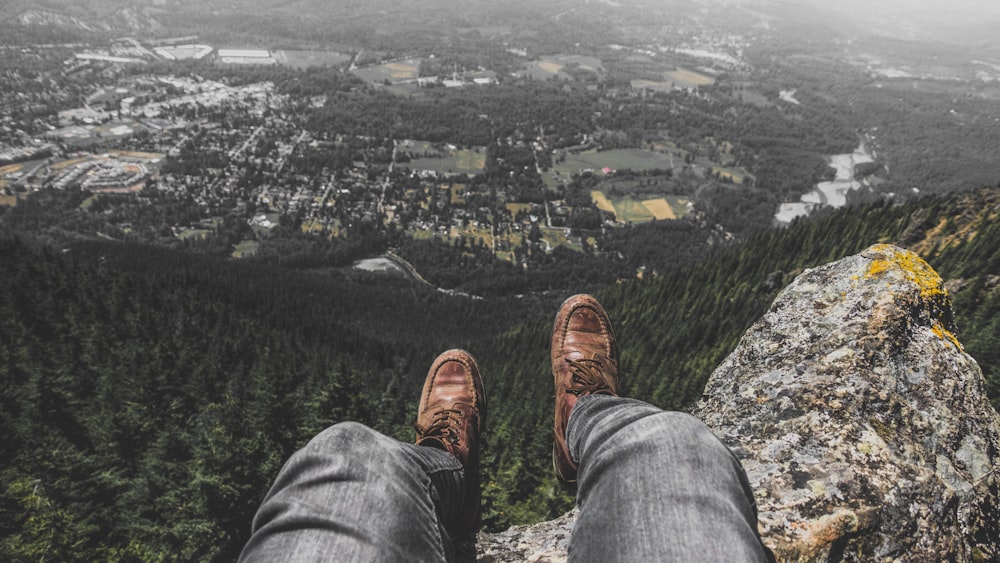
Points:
[(149, 396)]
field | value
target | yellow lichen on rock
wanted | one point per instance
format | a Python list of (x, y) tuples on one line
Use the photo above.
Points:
[(946, 335), (911, 265)]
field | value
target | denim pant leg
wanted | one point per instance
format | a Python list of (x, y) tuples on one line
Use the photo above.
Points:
[(353, 494), (656, 486)]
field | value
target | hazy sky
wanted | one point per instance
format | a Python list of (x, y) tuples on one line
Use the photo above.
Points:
[(950, 11)]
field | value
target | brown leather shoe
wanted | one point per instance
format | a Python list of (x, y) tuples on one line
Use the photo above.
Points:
[(451, 417), (584, 362)]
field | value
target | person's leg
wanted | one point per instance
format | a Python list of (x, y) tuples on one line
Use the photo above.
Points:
[(656, 486), (352, 494), (652, 485)]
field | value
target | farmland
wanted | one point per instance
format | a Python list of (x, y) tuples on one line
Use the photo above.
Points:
[(629, 209)]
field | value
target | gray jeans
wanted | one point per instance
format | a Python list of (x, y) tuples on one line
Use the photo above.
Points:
[(653, 486)]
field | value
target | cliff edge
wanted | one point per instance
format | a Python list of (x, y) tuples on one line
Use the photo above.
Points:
[(863, 425)]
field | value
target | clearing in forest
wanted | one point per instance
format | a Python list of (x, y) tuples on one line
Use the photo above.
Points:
[(632, 211), (602, 202), (461, 161), (246, 248), (690, 78), (660, 208), (402, 71), (394, 71), (550, 67), (564, 66), (616, 159)]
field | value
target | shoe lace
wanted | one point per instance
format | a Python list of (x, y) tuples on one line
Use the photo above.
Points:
[(444, 425), (589, 375)]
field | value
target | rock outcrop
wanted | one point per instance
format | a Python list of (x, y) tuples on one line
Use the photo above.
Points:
[(862, 424)]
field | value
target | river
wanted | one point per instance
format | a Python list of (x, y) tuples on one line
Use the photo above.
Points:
[(829, 194)]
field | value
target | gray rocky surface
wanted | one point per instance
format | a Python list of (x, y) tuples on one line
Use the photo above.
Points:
[(863, 425)]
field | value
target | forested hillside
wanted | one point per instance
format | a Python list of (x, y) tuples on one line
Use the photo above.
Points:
[(150, 396)]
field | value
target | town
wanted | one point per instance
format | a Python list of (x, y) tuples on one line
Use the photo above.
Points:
[(234, 147)]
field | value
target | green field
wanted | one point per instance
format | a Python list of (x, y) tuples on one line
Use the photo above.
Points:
[(460, 161), (562, 66), (393, 72), (246, 248), (629, 209), (686, 77), (559, 237), (634, 159), (195, 234)]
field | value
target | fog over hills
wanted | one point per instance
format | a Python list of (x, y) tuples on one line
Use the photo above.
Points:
[(903, 19)]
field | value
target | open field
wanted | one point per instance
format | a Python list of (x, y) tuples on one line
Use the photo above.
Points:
[(460, 161), (558, 237), (306, 59), (246, 248), (677, 78), (9, 200), (550, 67), (632, 210), (660, 208), (394, 71), (138, 155), (194, 234), (634, 159), (602, 202), (628, 209), (690, 78), (556, 65)]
